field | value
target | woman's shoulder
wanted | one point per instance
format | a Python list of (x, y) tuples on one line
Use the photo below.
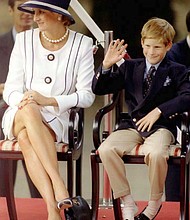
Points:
[(79, 35), (28, 33)]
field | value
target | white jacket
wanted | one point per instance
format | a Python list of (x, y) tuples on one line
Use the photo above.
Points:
[(67, 77)]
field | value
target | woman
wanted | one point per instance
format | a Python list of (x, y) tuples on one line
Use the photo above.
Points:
[(51, 70)]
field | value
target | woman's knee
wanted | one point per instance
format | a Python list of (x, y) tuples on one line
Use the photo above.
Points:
[(29, 112)]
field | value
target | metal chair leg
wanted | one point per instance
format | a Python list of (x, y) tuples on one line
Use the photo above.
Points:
[(95, 186)]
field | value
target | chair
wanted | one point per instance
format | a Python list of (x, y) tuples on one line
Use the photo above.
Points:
[(178, 155), (72, 152)]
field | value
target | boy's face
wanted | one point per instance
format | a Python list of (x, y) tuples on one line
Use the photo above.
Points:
[(154, 51)]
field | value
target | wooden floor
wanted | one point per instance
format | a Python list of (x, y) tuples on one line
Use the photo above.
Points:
[(34, 209)]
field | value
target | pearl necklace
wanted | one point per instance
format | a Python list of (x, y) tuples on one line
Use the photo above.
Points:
[(55, 41)]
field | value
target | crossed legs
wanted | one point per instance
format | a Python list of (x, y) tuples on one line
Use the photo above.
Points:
[(37, 144)]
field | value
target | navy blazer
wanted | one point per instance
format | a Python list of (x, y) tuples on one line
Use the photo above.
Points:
[(6, 46), (180, 53), (170, 91)]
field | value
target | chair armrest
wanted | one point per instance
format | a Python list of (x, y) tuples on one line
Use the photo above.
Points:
[(76, 127), (185, 142), (98, 118)]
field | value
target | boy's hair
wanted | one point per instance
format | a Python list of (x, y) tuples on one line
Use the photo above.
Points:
[(188, 21), (157, 28)]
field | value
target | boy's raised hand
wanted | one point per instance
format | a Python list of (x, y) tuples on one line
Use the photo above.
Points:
[(116, 51)]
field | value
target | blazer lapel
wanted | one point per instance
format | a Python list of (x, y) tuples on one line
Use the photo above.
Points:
[(157, 84), (138, 81)]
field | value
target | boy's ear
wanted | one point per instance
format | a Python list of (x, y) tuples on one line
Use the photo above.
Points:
[(169, 45), (142, 42)]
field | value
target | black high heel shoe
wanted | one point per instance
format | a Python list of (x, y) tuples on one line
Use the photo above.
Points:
[(65, 203), (79, 210)]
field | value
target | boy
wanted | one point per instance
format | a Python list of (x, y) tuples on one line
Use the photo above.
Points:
[(153, 99)]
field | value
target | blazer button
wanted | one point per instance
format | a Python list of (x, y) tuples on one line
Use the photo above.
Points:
[(134, 119)]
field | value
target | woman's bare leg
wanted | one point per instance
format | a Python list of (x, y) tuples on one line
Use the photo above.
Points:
[(41, 143), (38, 175)]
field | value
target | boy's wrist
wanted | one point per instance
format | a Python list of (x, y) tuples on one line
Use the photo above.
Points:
[(105, 69), (106, 65), (159, 110)]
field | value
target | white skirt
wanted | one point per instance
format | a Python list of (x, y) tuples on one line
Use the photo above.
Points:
[(57, 124)]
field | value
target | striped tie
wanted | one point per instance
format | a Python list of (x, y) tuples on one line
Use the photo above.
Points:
[(148, 80)]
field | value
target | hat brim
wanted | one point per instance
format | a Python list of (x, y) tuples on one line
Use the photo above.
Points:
[(29, 5)]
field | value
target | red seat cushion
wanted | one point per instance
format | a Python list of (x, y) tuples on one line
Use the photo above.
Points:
[(7, 145)]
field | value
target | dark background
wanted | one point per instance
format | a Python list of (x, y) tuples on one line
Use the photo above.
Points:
[(126, 18)]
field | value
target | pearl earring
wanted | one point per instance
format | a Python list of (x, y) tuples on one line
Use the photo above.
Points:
[(59, 18)]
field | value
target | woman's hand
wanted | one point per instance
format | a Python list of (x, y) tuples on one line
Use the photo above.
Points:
[(35, 97), (116, 51), (147, 122)]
